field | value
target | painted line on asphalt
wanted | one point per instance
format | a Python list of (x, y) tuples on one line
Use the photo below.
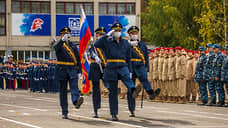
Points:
[(108, 121), (188, 114), (21, 123), (217, 114), (10, 105), (38, 99)]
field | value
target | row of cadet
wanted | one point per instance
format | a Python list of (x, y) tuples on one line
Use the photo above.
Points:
[(188, 75), (37, 76)]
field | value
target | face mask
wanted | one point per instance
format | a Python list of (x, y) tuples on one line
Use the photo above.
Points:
[(134, 37), (117, 34), (99, 37)]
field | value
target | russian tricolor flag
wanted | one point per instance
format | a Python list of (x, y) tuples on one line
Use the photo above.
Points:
[(85, 36)]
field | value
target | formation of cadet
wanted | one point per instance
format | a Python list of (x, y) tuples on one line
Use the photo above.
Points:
[(187, 76), (34, 76)]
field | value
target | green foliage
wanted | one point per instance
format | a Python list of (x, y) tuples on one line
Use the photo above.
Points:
[(186, 23)]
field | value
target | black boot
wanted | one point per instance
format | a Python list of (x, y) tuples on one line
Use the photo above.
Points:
[(153, 94), (79, 102), (114, 118), (95, 114), (132, 114), (226, 105), (220, 104), (136, 91)]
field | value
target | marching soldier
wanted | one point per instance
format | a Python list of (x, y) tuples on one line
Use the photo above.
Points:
[(98, 63), (118, 54), (140, 65), (216, 74), (224, 74), (68, 69), (199, 73), (208, 74)]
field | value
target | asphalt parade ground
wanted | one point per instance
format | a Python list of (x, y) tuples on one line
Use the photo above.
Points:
[(22, 109)]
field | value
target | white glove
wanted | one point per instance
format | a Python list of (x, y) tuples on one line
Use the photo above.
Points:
[(80, 76), (65, 37), (110, 33), (134, 43), (130, 75), (98, 60)]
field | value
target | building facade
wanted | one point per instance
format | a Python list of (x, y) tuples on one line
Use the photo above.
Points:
[(27, 27)]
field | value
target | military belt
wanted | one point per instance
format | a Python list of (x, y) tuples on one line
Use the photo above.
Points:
[(116, 61), (136, 60), (65, 63), (93, 61)]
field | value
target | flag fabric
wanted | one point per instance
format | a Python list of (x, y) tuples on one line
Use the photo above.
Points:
[(85, 36)]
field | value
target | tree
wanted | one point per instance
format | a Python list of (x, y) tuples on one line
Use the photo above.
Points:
[(211, 21), (170, 23)]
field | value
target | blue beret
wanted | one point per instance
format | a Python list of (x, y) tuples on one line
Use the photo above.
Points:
[(202, 48), (217, 46), (210, 45), (226, 47)]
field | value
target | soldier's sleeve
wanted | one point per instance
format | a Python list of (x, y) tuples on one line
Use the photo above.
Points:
[(146, 58), (58, 45), (100, 43)]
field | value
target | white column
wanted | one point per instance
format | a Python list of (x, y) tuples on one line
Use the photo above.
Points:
[(17, 55), (30, 55), (37, 55), (24, 55), (43, 55)]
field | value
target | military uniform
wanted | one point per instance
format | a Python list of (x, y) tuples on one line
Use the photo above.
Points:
[(140, 66), (118, 55), (30, 77), (216, 74), (160, 69), (199, 73), (68, 68), (224, 74), (165, 86), (208, 75), (155, 74), (172, 75), (95, 74), (1, 76), (189, 75)]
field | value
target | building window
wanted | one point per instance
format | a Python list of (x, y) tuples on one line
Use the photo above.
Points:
[(20, 6), (73, 8), (103, 9), (47, 54), (2, 17), (117, 8), (111, 8)]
